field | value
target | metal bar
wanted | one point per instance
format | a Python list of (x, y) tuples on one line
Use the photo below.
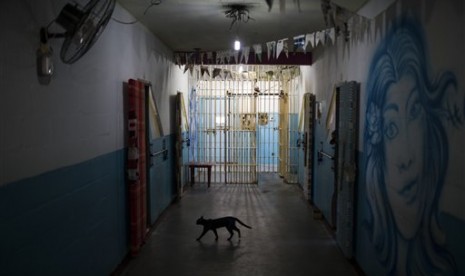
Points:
[(322, 153), (210, 137), (217, 135), (226, 136), (159, 152)]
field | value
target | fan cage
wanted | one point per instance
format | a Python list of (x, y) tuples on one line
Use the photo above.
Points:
[(78, 41)]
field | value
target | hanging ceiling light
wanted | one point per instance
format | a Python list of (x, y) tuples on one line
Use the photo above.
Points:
[(237, 45), (237, 13)]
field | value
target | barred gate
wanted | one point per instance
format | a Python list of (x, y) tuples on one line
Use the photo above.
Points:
[(238, 124)]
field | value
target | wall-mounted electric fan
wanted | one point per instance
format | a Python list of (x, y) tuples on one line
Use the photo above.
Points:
[(82, 25)]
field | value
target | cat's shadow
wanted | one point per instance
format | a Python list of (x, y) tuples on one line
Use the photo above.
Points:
[(215, 245)]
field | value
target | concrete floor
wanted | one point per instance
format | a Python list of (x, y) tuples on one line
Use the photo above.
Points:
[(285, 239)]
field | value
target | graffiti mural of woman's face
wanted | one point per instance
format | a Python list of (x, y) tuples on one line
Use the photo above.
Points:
[(403, 126)]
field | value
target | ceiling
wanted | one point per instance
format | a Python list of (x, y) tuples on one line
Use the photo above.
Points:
[(188, 25)]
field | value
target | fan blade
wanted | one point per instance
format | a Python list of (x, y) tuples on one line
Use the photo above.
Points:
[(84, 30)]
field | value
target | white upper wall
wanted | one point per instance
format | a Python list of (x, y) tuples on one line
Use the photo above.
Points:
[(80, 115)]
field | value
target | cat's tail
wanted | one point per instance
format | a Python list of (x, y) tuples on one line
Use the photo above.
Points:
[(238, 220)]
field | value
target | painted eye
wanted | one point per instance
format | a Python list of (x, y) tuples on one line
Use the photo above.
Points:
[(391, 130), (415, 110)]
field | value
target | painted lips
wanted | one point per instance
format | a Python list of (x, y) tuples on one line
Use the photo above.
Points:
[(409, 191)]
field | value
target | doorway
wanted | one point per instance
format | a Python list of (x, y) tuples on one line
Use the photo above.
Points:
[(244, 123)]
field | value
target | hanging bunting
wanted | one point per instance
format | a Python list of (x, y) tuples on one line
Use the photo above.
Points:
[(322, 35), (204, 70), (229, 55), (282, 46), (299, 42), (279, 47), (227, 74), (189, 58), (216, 72), (271, 48), (309, 39), (362, 28), (318, 38), (190, 67), (286, 47), (245, 54), (365, 28), (157, 57), (331, 35), (202, 55), (354, 25), (369, 30), (225, 57), (258, 51), (177, 58), (236, 57), (209, 57), (220, 55)]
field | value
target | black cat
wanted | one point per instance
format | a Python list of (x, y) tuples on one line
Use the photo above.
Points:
[(213, 224)]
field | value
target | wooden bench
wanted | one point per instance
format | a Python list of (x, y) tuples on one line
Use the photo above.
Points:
[(194, 165)]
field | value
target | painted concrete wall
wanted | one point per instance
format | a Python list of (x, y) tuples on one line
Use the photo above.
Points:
[(410, 207), (80, 114), (62, 146)]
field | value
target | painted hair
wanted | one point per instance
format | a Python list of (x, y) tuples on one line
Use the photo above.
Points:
[(402, 53)]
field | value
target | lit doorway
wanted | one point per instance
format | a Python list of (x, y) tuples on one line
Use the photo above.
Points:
[(243, 122)]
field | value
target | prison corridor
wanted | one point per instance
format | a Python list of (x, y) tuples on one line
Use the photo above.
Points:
[(286, 238)]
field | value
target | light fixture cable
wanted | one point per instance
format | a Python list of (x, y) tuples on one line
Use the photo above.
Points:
[(152, 3)]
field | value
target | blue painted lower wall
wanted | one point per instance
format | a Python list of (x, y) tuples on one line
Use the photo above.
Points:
[(74, 220), (71, 221)]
